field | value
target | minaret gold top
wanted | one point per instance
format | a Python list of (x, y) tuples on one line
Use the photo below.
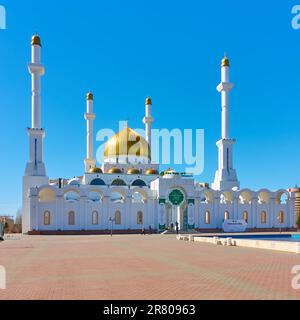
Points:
[(35, 40), (89, 96), (225, 62), (148, 101)]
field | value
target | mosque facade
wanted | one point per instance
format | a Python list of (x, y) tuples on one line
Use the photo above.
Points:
[(128, 192)]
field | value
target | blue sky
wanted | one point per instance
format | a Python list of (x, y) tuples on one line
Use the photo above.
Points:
[(126, 50)]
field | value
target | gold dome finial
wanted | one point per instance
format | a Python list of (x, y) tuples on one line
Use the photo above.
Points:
[(225, 61), (89, 96), (36, 40), (148, 101)]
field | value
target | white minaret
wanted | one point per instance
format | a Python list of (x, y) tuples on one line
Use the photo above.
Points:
[(35, 166), (89, 116), (148, 120), (35, 172), (225, 177)]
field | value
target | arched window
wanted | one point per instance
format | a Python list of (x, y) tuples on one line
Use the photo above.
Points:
[(207, 197), (95, 217), (94, 196), (282, 197), (226, 197), (281, 217), (207, 217), (118, 182), (138, 197), (245, 216), (263, 197), (71, 218), (263, 217), (139, 217), (245, 197), (226, 215), (97, 182), (139, 183), (71, 196), (47, 195), (117, 197), (47, 218), (117, 217)]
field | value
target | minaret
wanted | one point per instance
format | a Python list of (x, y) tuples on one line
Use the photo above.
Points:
[(35, 166), (89, 117), (225, 177), (148, 120), (35, 172)]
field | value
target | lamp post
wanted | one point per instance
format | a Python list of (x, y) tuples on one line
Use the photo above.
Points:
[(112, 220)]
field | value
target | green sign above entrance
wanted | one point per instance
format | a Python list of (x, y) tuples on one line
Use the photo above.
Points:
[(176, 197)]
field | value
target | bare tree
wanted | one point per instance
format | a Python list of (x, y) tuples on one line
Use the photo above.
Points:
[(18, 222)]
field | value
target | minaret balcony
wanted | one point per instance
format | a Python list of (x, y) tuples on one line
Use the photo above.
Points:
[(36, 68), (224, 86), (89, 116)]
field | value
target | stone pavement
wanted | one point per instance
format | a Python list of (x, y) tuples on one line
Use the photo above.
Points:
[(141, 267)]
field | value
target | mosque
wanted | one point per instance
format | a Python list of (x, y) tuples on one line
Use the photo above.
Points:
[(128, 192)]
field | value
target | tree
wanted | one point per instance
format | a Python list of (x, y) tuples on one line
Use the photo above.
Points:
[(6, 227), (18, 222), (298, 222), (18, 219)]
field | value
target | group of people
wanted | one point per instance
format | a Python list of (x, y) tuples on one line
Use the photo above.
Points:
[(171, 228), (176, 226), (144, 230)]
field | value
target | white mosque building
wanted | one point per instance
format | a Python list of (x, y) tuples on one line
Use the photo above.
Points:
[(128, 192)]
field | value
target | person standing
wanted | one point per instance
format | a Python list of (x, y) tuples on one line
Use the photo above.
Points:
[(150, 229), (177, 227), (172, 226)]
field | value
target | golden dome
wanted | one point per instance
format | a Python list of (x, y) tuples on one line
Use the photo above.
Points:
[(133, 171), (126, 143), (114, 170), (35, 40), (89, 96), (225, 62), (151, 171), (148, 101), (95, 170)]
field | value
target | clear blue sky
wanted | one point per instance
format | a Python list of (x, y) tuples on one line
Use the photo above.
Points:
[(170, 50)]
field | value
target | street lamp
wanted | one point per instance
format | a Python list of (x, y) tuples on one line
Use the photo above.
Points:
[(112, 220)]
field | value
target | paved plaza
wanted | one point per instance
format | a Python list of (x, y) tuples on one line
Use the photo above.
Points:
[(141, 267)]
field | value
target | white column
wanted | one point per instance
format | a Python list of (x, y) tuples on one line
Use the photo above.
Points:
[(36, 69), (35, 165), (224, 88), (89, 117), (148, 120), (225, 177)]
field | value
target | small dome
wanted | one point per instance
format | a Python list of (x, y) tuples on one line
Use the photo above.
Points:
[(225, 62), (89, 96), (74, 182), (170, 171), (151, 171), (95, 170), (114, 170), (35, 40), (133, 171), (148, 101)]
